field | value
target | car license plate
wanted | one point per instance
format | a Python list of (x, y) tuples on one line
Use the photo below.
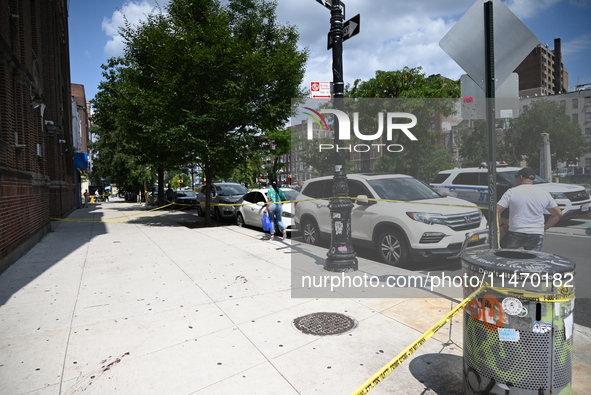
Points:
[(584, 208)]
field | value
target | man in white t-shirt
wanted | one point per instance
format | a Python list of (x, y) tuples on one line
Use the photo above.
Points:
[(526, 206)]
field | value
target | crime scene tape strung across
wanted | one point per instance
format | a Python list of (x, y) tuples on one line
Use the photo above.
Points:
[(107, 220), (352, 198), (374, 380)]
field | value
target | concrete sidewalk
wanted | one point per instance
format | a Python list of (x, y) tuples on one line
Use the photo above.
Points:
[(119, 299)]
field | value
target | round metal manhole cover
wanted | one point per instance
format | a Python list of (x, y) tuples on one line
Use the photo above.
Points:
[(323, 324)]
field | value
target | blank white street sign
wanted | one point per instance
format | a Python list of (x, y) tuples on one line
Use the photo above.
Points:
[(465, 42)]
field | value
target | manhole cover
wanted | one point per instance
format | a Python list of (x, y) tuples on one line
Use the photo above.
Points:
[(323, 324)]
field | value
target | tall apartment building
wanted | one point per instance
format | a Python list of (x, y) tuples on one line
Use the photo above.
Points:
[(542, 72), (36, 147)]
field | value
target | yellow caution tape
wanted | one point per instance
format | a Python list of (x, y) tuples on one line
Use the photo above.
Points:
[(107, 220), (351, 198), (564, 294), (374, 380)]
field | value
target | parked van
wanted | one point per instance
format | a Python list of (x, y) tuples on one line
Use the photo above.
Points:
[(472, 184)]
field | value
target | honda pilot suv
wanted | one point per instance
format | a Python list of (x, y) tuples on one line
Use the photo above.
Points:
[(400, 217), (472, 184)]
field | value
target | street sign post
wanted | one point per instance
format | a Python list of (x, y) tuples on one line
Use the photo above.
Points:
[(350, 28), (465, 42), (474, 98), (489, 52), (328, 4), (341, 256), (320, 90)]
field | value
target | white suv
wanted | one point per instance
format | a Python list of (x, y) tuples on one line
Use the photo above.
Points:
[(398, 215), (472, 184)]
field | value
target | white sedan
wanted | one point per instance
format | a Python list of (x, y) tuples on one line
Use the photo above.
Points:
[(251, 211)]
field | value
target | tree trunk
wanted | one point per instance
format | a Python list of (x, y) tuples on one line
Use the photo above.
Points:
[(208, 180), (161, 200)]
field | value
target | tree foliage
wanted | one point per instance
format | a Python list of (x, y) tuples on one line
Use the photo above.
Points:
[(419, 95), (319, 162), (524, 136), (278, 143), (474, 145), (199, 82)]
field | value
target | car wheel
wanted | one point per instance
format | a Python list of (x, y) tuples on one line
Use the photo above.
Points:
[(392, 248), (240, 220), (200, 211), (311, 232)]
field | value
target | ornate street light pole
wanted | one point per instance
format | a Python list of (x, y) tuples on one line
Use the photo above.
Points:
[(341, 256)]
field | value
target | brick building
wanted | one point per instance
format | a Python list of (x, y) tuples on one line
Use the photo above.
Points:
[(542, 72), (36, 148)]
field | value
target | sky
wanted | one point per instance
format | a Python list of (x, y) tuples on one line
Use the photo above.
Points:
[(393, 34)]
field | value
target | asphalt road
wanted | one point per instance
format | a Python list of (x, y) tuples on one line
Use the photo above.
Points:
[(577, 248)]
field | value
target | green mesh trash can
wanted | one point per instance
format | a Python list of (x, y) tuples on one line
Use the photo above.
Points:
[(518, 334)]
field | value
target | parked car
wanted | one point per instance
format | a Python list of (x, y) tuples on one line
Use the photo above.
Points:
[(472, 184), (186, 198), (251, 211), (223, 195), (397, 215)]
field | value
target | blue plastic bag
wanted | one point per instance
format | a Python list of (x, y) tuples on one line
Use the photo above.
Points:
[(266, 222)]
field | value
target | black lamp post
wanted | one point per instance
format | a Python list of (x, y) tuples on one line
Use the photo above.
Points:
[(341, 256)]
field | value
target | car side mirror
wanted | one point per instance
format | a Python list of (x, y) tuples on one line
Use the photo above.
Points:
[(363, 200)]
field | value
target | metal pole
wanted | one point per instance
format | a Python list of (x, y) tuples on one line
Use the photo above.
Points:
[(545, 158), (341, 257), (493, 238)]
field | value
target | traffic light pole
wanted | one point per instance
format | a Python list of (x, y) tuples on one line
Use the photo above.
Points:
[(341, 257)]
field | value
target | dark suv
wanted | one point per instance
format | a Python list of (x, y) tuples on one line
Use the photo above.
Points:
[(223, 195)]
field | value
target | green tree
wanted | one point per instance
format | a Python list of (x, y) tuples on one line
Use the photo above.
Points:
[(474, 145), (202, 79), (277, 143), (320, 163), (113, 157), (178, 179), (524, 136), (409, 90)]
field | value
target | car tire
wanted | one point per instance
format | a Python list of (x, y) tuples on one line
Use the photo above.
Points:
[(240, 220), (200, 211), (392, 248), (310, 232)]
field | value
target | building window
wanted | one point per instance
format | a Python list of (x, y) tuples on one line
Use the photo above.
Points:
[(575, 103), (563, 103), (588, 101), (576, 118), (588, 133), (588, 117)]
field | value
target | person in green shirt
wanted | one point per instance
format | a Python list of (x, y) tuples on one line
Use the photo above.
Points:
[(275, 197)]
